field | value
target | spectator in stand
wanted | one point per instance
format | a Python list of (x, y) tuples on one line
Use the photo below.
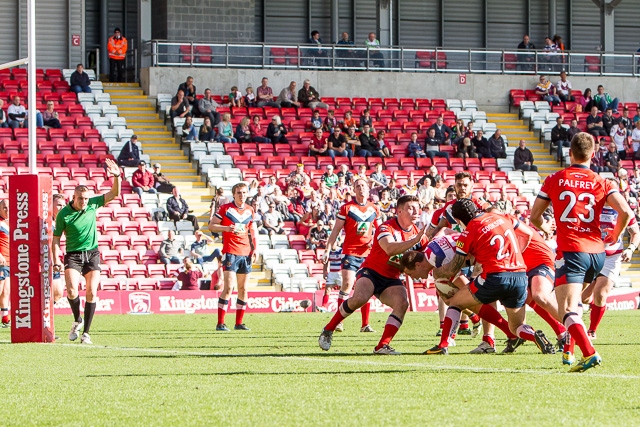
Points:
[(80, 81), (619, 137), (317, 51), (594, 123), (503, 203), (170, 251), (426, 193), (551, 57), (288, 97), (443, 132), (608, 120), (319, 146), (50, 116), (206, 133), (470, 133), (414, 149), (394, 191), (362, 173), (265, 95), (559, 137), (373, 46), (330, 178), (273, 221), (628, 123), (225, 130), (208, 107), (573, 130), (309, 97), (199, 250), (612, 158), (366, 119), (526, 60), (598, 163), (338, 144), (458, 132), (368, 145), (235, 98), (178, 209), (160, 181), (381, 145), (410, 188), (378, 181), (258, 133), (276, 132), (431, 176), (466, 149), (250, 97), (441, 190), (635, 138), (349, 121), (18, 115), (603, 100), (271, 185), (189, 132), (243, 132), (142, 180), (317, 236), (117, 50), (353, 140), (563, 88), (587, 101), (523, 158), (328, 214), (3, 116), (189, 90), (316, 121), (344, 171), (297, 177), (497, 145), (482, 146), (130, 154), (432, 145), (330, 122), (179, 106), (349, 55), (189, 276), (547, 91)]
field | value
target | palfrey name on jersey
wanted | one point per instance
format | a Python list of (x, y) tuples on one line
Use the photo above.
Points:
[(587, 185)]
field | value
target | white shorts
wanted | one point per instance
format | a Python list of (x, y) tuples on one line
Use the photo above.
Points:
[(611, 268), (334, 278)]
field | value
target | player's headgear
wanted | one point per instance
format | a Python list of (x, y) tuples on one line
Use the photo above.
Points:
[(464, 210)]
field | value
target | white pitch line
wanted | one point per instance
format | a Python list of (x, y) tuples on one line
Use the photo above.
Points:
[(425, 366)]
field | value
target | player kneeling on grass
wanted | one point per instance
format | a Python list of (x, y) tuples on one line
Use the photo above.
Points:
[(489, 238), (77, 221), (380, 274), (441, 251)]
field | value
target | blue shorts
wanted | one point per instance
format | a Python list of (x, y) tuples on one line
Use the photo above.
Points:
[(541, 270), (238, 264), (380, 283), (351, 262), (4, 272), (579, 267), (56, 275), (508, 288)]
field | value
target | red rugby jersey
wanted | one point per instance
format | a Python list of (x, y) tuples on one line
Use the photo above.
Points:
[(242, 218), (359, 224)]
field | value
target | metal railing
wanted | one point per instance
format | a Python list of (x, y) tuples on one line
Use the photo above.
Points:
[(362, 58)]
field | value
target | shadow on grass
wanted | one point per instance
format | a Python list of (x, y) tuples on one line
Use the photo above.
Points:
[(216, 374)]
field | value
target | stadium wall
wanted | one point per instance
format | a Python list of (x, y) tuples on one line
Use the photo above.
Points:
[(486, 90)]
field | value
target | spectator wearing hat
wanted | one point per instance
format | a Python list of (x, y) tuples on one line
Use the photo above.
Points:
[(117, 48), (143, 180), (160, 181), (130, 153)]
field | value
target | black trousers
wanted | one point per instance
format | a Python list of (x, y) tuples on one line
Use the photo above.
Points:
[(116, 70)]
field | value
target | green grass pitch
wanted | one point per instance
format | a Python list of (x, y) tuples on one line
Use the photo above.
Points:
[(162, 370)]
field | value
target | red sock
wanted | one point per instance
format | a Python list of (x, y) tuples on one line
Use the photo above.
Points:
[(489, 340), (578, 332), (491, 315), (526, 332), (390, 330), (365, 309), (241, 307), (441, 324), (557, 327), (569, 345), (474, 319), (464, 324), (341, 297), (596, 316), (342, 312), (450, 326), (325, 300), (222, 310)]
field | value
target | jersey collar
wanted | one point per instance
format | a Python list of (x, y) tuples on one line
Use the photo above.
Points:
[(579, 166)]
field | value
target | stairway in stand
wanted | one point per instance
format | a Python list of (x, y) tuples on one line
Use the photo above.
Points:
[(515, 129), (157, 142)]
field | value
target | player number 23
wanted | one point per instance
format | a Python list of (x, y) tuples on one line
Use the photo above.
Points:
[(502, 254), (588, 199)]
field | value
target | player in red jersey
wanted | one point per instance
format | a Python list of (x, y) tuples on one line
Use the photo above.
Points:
[(578, 195), (5, 286), (358, 219), (235, 221), (380, 274), (489, 238)]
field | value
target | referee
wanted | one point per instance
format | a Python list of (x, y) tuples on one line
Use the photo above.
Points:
[(78, 221)]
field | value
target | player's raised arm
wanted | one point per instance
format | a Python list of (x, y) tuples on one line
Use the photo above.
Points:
[(392, 247), (335, 232), (114, 170), (617, 202)]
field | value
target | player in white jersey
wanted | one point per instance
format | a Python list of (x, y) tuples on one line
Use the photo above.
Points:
[(596, 293), (332, 273)]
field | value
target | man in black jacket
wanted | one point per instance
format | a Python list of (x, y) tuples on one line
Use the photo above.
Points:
[(443, 132), (523, 158), (130, 154), (80, 81), (178, 209), (559, 137), (482, 146), (497, 146)]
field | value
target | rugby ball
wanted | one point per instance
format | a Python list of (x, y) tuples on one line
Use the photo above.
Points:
[(446, 288)]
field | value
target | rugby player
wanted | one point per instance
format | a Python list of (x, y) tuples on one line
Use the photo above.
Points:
[(331, 273), (598, 290), (77, 220), (358, 219), (380, 275), (239, 233), (489, 238), (578, 196)]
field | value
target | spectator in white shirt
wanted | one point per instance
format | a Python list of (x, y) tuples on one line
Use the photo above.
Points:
[(564, 88)]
